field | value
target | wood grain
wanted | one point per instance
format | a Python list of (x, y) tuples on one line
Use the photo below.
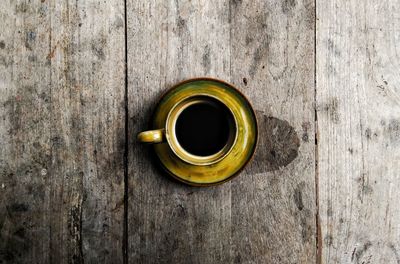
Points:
[(266, 215), (358, 107), (61, 131), (169, 42), (272, 61)]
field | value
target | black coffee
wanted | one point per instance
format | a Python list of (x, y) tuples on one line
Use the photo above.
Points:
[(203, 128)]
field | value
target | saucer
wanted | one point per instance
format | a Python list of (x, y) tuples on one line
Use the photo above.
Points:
[(242, 150)]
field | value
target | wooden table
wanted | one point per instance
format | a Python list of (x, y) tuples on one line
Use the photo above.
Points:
[(79, 79)]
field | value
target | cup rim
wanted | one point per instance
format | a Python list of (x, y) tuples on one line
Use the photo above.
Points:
[(176, 147)]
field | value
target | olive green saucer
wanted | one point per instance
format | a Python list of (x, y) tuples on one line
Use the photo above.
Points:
[(240, 152)]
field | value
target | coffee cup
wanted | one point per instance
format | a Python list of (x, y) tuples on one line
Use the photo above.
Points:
[(204, 131)]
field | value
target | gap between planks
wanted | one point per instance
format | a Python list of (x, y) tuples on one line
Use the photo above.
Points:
[(126, 150), (318, 235)]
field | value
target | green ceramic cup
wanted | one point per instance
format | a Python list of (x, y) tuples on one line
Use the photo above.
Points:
[(204, 131)]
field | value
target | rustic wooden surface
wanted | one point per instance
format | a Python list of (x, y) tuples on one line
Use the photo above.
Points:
[(62, 131), (79, 79), (358, 103), (272, 62), (169, 222), (265, 215)]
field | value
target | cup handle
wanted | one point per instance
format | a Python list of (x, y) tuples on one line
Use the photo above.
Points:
[(151, 136)]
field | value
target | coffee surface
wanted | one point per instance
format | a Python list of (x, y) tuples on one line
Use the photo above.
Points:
[(203, 128)]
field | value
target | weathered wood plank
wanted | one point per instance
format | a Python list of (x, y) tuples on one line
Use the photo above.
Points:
[(267, 213), (359, 130), (61, 131), (169, 42), (272, 61)]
